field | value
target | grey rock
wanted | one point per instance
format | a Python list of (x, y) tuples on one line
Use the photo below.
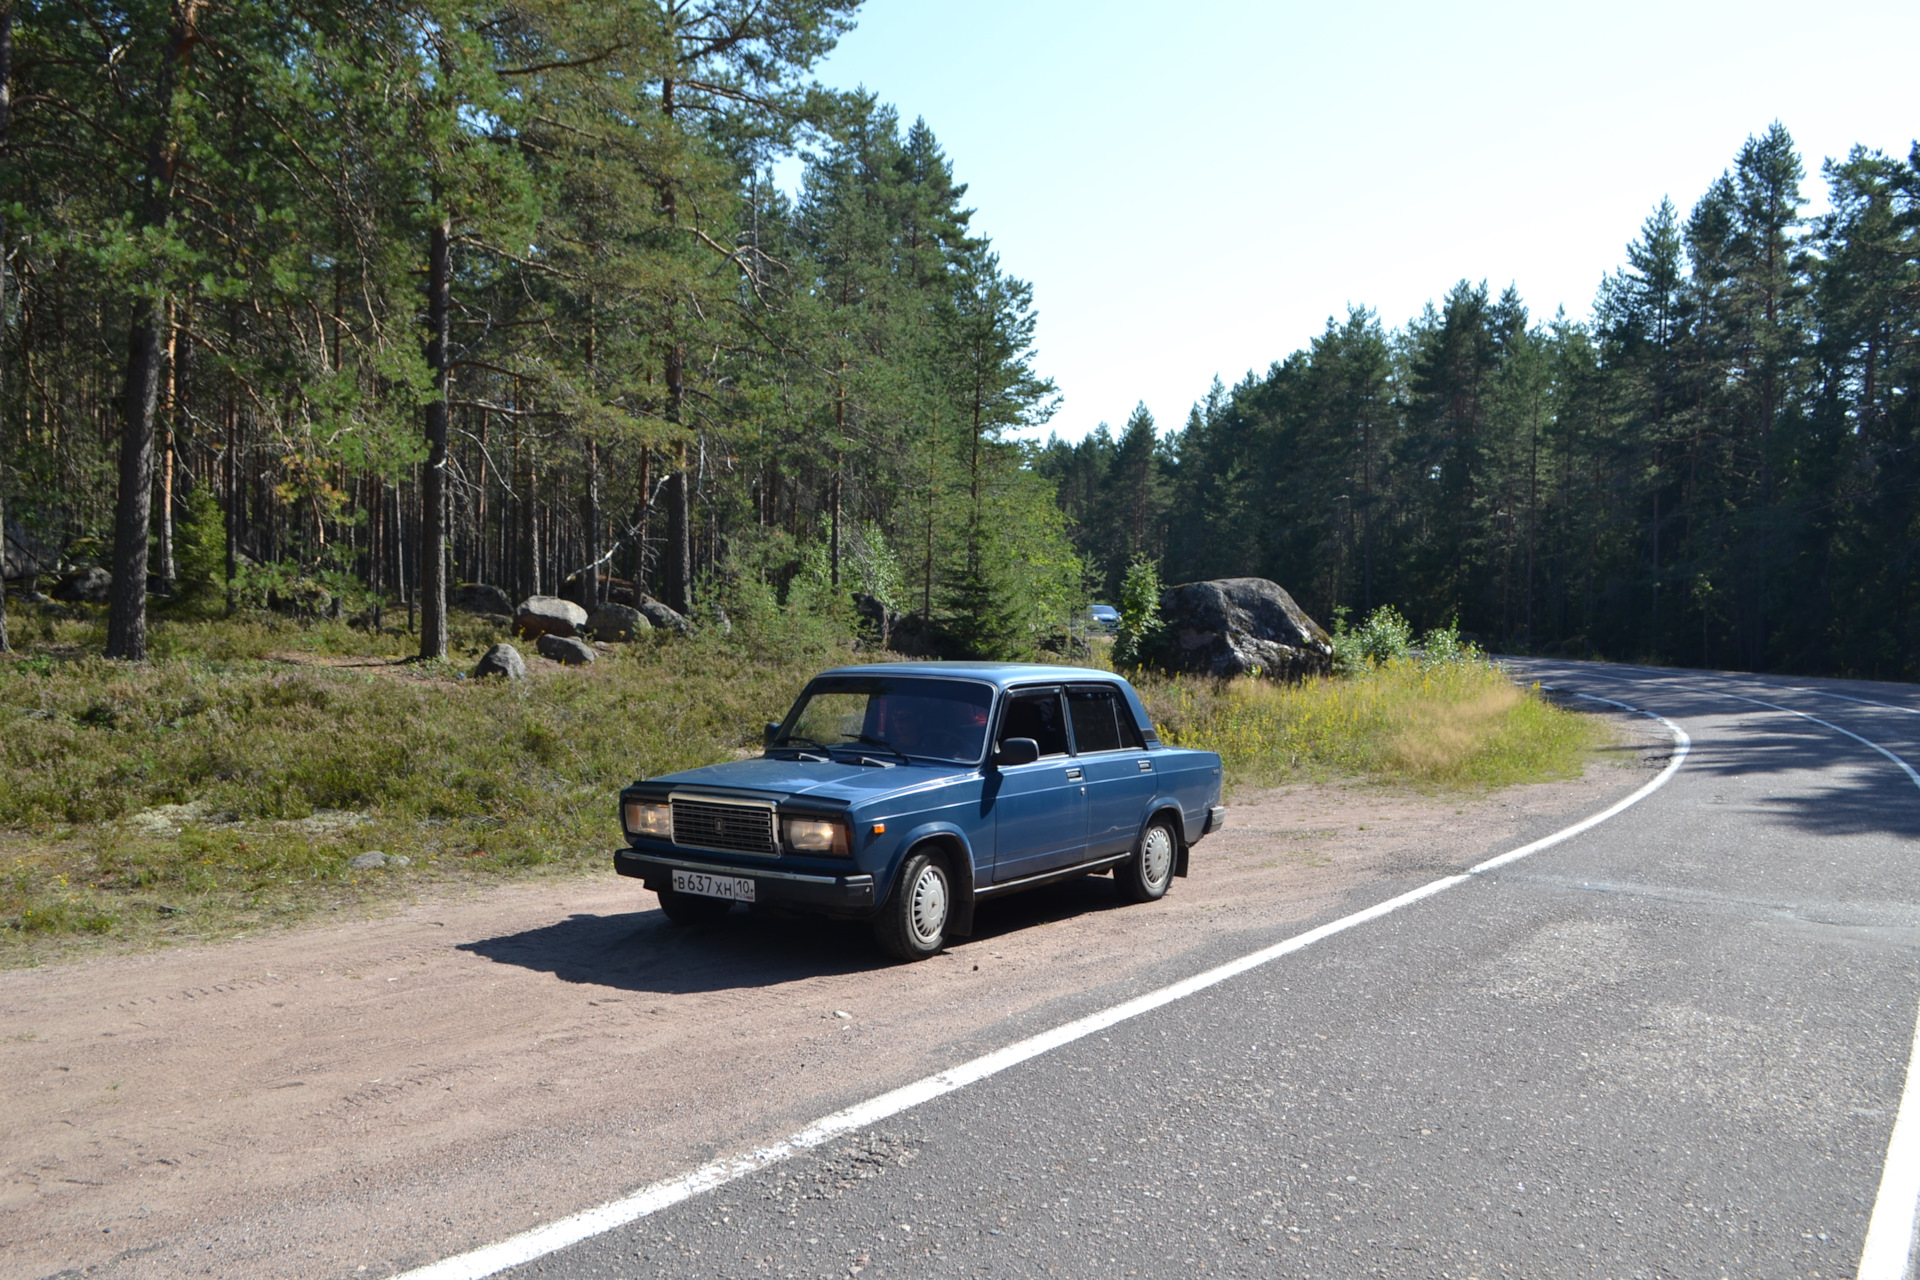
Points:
[(661, 616), (564, 649), (374, 860), (501, 660), (478, 597), (89, 586), (1239, 626), (549, 615), (618, 622)]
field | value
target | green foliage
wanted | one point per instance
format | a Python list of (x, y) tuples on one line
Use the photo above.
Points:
[(1384, 637), (1444, 645), (1139, 615), (200, 544)]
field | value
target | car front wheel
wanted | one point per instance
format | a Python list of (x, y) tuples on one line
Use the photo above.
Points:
[(913, 924), (1145, 876)]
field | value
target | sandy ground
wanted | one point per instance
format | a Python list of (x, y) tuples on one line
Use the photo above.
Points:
[(353, 1099)]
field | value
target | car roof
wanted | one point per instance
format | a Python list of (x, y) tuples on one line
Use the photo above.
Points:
[(1001, 674)]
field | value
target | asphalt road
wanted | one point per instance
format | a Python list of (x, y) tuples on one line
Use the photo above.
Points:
[(1671, 1046)]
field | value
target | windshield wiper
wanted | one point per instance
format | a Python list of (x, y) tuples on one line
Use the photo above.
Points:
[(884, 746), (795, 745)]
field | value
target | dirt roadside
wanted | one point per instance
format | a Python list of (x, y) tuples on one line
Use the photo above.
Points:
[(354, 1099)]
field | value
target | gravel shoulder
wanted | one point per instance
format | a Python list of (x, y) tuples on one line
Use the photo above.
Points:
[(354, 1098)]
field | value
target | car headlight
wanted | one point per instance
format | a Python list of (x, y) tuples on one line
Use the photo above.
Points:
[(644, 819), (815, 835)]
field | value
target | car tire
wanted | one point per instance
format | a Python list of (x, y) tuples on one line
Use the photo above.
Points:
[(1146, 875), (693, 908), (913, 923)]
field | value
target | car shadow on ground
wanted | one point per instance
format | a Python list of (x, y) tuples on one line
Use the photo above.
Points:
[(644, 951)]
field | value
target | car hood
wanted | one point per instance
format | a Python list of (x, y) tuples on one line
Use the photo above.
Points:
[(850, 782)]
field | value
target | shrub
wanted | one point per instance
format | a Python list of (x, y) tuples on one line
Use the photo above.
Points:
[(1384, 637), (1140, 623)]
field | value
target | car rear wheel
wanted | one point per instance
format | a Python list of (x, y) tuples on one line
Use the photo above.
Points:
[(692, 908), (913, 924), (1145, 876)]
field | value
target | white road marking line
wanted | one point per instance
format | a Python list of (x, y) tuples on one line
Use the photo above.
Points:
[(555, 1236), (1888, 1250), (1890, 1229), (1889, 1245)]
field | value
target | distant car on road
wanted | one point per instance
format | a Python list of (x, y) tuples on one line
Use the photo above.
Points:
[(1104, 616), (906, 793)]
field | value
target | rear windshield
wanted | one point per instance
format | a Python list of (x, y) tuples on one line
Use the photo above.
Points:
[(925, 718)]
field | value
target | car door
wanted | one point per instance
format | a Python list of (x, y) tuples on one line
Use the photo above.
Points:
[(1115, 766), (1039, 809)]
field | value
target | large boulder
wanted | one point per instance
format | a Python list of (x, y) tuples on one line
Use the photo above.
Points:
[(1240, 626), (564, 650), (618, 622), (661, 616), (549, 616), (88, 586), (478, 597), (501, 660)]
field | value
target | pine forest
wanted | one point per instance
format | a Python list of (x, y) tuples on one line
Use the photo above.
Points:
[(340, 307)]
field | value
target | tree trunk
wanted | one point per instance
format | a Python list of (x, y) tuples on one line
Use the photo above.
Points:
[(678, 579), (6, 117), (127, 603), (432, 573), (164, 528), (590, 517)]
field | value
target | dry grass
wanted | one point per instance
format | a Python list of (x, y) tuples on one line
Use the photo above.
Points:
[(1456, 724)]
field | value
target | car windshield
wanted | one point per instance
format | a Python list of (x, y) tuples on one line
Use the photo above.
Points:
[(935, 719)]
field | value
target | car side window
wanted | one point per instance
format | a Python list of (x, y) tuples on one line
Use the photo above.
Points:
[(1036, 716), (1096, 720)]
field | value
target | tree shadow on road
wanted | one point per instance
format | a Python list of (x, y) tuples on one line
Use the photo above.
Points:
[(644, 951)]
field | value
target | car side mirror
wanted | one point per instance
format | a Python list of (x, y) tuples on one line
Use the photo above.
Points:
[(772, 732), (1017, 751)]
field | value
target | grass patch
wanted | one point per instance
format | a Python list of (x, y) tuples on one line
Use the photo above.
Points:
[(1459, 724), (227, 784)]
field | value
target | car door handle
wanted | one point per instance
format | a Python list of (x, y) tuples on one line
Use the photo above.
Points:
[(1074, 775), (1146, 766)]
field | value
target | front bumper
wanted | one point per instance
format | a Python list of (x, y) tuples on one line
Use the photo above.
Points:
[(849, 895)]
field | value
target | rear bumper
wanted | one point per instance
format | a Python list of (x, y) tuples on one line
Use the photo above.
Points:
[(1216, 819), (849, 895)]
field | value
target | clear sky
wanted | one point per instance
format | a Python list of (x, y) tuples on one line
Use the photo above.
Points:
[(1194, 188)]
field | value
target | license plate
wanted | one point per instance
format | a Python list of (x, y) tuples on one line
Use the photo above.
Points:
[(733, 888)]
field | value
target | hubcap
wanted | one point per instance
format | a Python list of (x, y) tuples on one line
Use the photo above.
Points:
[(929, 905), (1156, 855)]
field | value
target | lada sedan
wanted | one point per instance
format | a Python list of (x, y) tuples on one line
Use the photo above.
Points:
[(908, 793)]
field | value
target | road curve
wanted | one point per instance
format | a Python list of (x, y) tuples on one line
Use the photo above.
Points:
[(1674, 1044)]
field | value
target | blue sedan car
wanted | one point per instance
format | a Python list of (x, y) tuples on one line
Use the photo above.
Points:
[(906, 793)]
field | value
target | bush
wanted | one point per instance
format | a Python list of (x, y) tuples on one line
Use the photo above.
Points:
[(1140, 623), (1384, 637)]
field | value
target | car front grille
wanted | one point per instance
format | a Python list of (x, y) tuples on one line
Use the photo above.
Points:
[(735, 828)]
